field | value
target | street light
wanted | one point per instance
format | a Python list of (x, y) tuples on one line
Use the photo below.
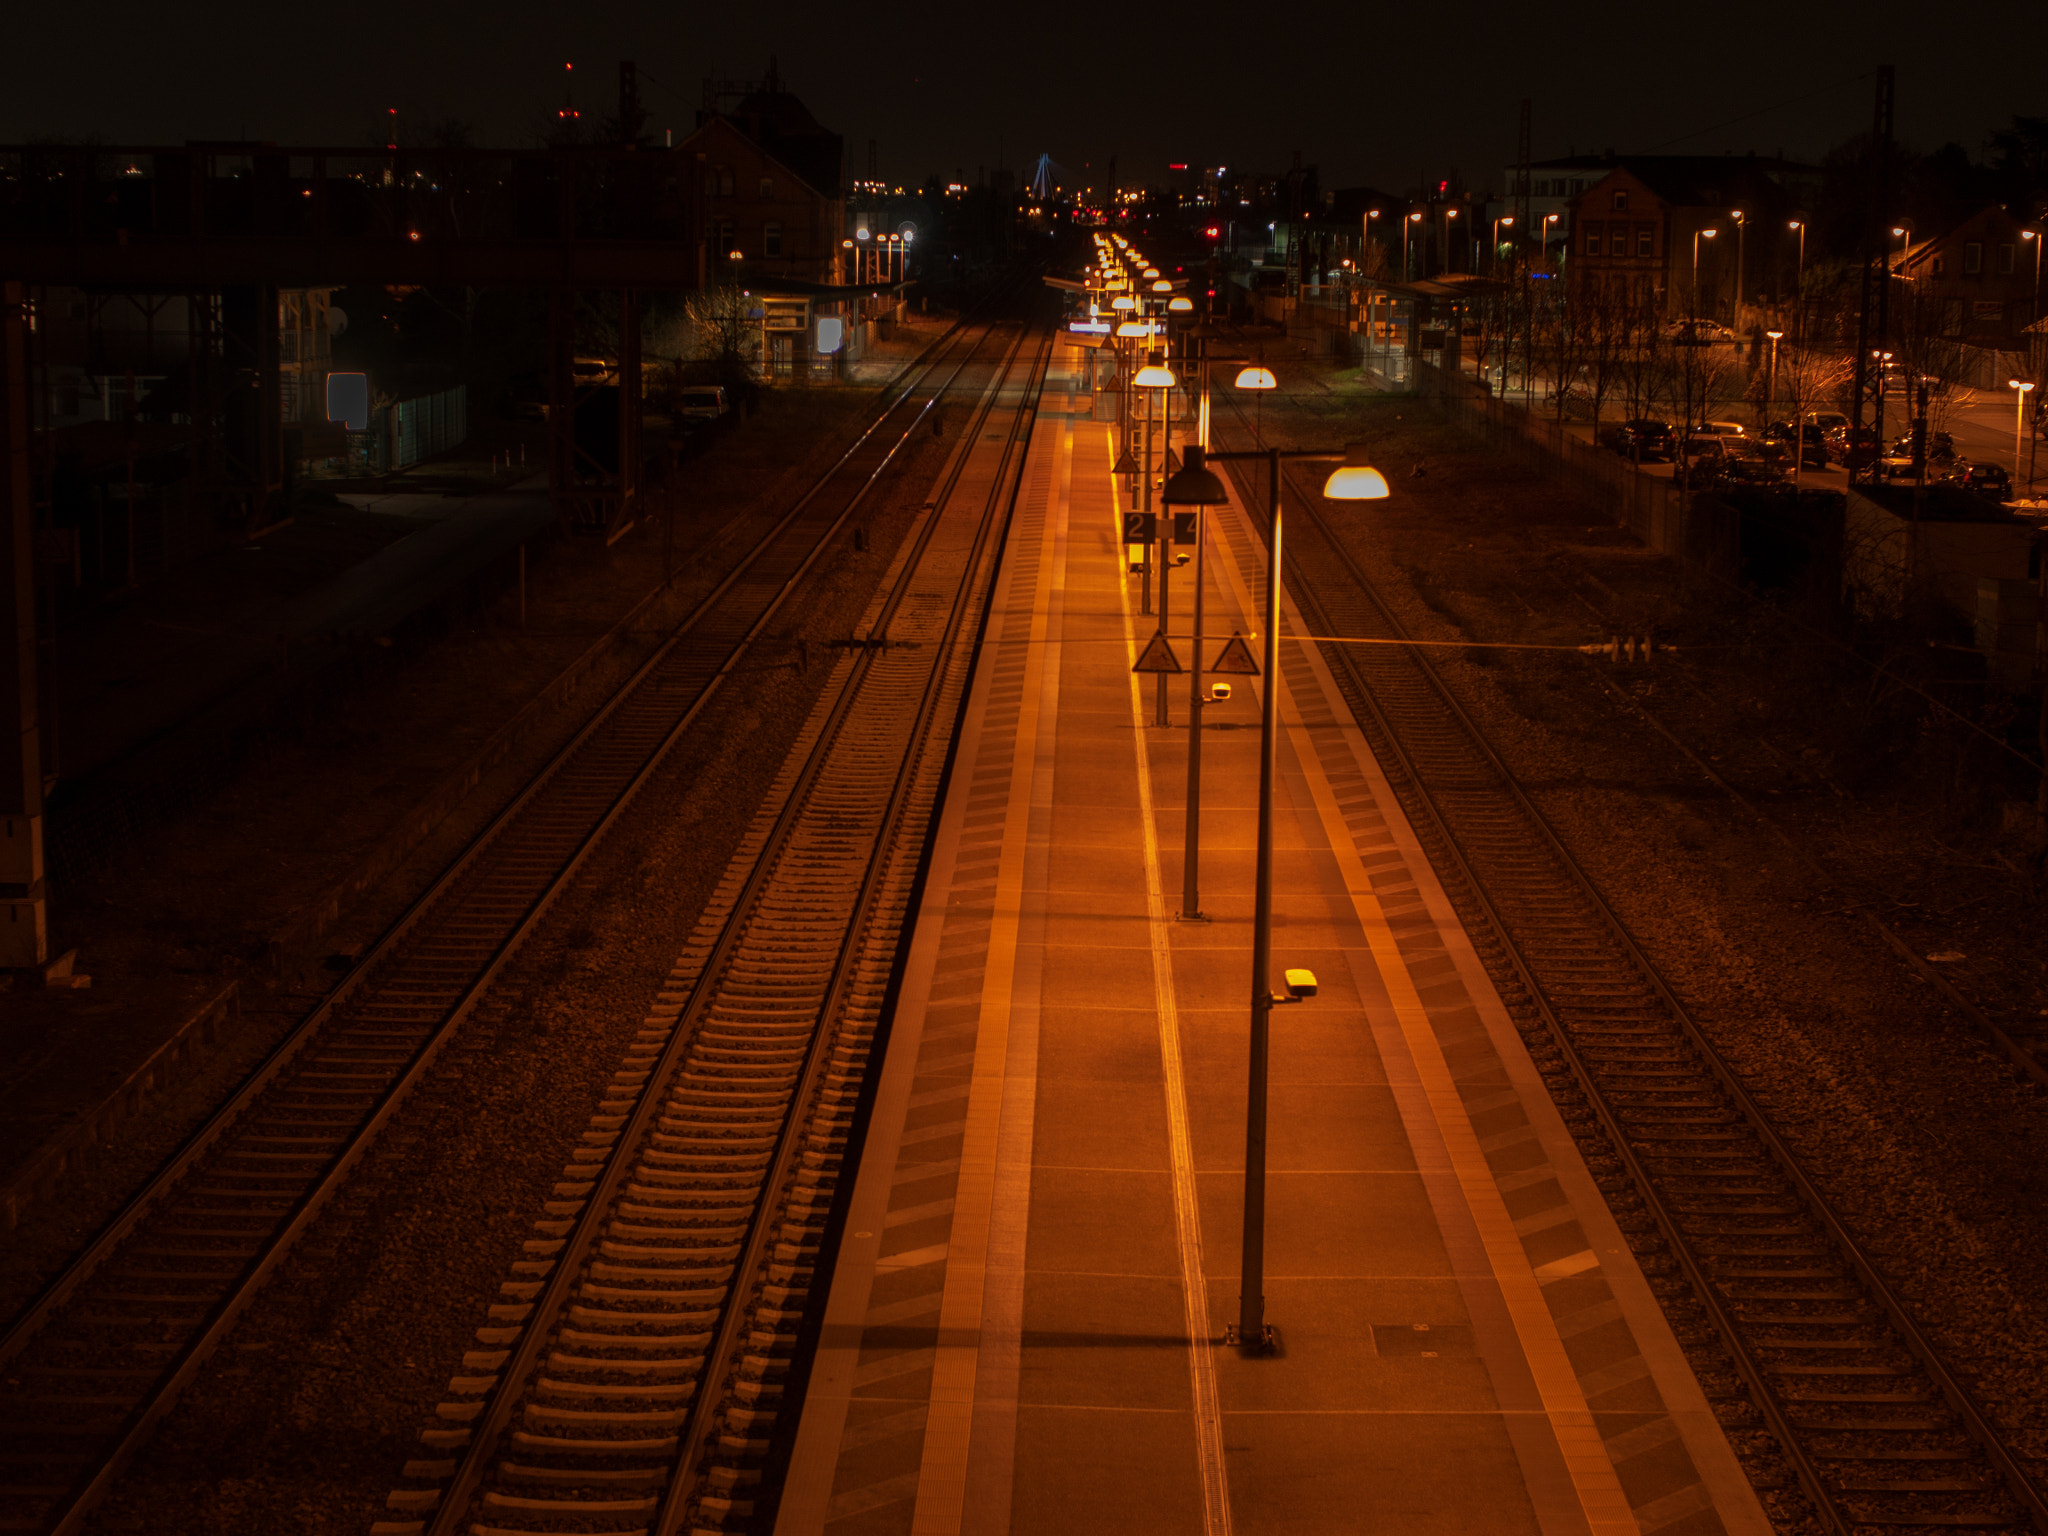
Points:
[(1548, 220), (2019, 387), (1449, 214), (1494, 259), (1770, 388), (1155, 378), (1697, 236), (1413, 218), (1354, 480), (1741, 231), (1799, 271)]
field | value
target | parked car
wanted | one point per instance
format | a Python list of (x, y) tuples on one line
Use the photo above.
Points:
[(1827, 421), (1813, 447), (1697, 333), (1708, 448), (1751, 463), (1897, 464), (700, 402), (1941, 450), (1644, 439), (1855, 455), (1723, 428), (1990, 480)]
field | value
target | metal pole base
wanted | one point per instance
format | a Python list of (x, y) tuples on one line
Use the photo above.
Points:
[(1191, 917), (1264, 1346)]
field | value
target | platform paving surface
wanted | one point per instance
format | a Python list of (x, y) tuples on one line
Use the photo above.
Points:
[(1026, 1324)]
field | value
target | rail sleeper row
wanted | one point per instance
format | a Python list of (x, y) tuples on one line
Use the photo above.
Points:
[(103, 1353), (605, 1423), (1875, 1428)]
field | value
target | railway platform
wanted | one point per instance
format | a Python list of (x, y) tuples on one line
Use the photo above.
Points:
[(1025, 1328)]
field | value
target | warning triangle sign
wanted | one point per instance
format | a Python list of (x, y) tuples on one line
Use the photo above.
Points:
[(1157, 656), (1236, 658)]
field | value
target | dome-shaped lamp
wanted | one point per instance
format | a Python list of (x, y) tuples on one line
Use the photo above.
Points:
[(1355, 479), (1134, 328), (1195, 485), (1180, 304), (1164, 285), (1150, 273), (1123, 301), (1256, 377), (1155, 374)]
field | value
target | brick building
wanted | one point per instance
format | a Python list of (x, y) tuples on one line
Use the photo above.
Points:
[(765, 183)]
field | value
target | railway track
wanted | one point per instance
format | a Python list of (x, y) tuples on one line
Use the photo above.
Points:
[(1876, 1429), (630, 1378), (90, 1367)]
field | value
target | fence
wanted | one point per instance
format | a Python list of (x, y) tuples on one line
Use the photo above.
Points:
[(428, 425), (1696, 528)]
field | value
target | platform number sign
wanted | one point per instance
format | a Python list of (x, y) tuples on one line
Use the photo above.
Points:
[(1184, 527), (1141, 527)]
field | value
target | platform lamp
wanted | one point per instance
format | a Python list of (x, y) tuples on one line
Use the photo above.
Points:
[(1196, 485), (1156, 379), (1257, 377)]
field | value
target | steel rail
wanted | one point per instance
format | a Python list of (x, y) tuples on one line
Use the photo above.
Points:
[(539, 1328), (1754, 1372), (218, 1319)]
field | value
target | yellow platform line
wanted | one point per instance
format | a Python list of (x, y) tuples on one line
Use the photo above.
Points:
[(1187, 1218)]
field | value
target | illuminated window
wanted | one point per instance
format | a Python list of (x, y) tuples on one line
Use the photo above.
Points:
[(771, 239)]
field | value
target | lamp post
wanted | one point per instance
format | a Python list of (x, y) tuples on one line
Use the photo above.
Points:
[(1406, 224), (1799, 275), (1493, 256), (1449, 215), (1155, 378), (1548, 220), (1697, 236), (2019, 389), (1196, 485), (1770, 389), (1741, 231)]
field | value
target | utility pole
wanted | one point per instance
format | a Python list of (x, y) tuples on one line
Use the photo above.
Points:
[(24, 927), (1877, 276)]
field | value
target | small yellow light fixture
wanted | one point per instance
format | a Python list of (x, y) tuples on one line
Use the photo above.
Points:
[(1256, 377), (1134, 328), (1123, 301), (1150, 273), (1162, 286), (1355, 479), (1180, 304)]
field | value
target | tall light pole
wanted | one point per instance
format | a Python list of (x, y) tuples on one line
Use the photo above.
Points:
[(1449, 214), (1741, 230), (1770, 389), (1196, 485), (2019, 389), (1548, 220), (1697, 236), (1407, 224), (1156, 379), (1799, 276)]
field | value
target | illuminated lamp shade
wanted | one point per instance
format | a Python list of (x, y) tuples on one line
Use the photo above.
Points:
[(1180, 304), (1123, 301), (1162, 286), (1134, 328), (1155, 376), (1355, 479), (1257, 378), (1150, 273)]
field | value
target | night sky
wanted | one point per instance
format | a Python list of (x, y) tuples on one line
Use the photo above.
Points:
[(1387, 94)]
